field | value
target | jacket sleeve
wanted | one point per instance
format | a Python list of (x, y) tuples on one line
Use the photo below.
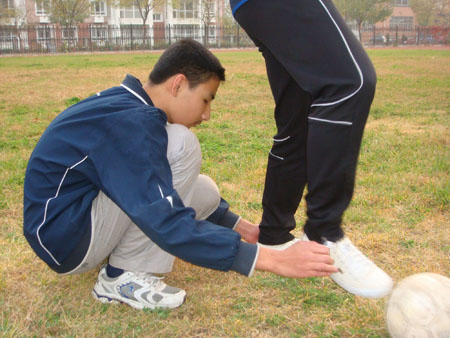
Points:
[(223, 216), (133, 170)]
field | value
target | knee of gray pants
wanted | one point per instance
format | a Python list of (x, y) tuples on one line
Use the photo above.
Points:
[(185, 159), (206, 197)]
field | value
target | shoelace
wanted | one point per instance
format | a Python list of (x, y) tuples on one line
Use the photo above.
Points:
[(149, 278), (355, 262)]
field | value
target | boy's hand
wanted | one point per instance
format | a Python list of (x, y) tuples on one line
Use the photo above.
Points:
[(248, 231), (302, 259)]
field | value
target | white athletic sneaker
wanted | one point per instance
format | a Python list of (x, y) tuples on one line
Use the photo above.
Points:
[(137, 289), (357, 274), (280, 247)]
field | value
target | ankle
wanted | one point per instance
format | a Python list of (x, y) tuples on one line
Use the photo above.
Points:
[(113, 272)]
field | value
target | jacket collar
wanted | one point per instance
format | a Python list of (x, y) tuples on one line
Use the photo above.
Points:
[(134, 86)]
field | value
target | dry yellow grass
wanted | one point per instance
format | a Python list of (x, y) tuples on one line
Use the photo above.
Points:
[(399, 215)]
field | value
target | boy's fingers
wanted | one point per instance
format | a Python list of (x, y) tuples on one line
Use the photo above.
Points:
[(324, 269), (320, 248), (321, 274), (314, 247)]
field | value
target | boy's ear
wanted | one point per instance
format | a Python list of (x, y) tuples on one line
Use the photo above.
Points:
[(178, 82)]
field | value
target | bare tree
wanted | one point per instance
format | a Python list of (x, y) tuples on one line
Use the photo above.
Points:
[(432, 12), (369, 11), (144, 7), (11, 13), (69, 13), (208, 14), (14, 16), (227, 15), (443, 13)]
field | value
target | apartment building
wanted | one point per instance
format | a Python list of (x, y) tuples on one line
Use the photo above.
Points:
[(113, 25), (402, 16)]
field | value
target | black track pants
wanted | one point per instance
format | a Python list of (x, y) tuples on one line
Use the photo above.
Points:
[(323, 84)]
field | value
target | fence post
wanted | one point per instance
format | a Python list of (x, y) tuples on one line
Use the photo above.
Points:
[(396, 34), (131, 35), (205, 43), (90, 37), (237, 35), (373, 35), (170, 36), (418, 35), (48, 41)]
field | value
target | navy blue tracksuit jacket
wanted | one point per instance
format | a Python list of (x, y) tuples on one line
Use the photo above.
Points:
[(116, 142)]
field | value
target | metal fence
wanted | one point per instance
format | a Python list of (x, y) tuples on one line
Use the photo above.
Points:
[(397, 35), (49, 38), (52, 38)]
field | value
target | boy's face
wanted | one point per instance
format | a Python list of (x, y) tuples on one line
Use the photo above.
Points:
[(192, 106)]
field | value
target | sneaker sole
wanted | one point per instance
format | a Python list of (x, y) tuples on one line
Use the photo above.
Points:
[(363, 293), (358, 292), (110, 299)]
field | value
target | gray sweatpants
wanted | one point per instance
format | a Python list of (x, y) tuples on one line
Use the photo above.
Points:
[(116, 236)]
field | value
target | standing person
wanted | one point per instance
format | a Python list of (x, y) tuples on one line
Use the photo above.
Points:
[(117, 177), (323, 84)]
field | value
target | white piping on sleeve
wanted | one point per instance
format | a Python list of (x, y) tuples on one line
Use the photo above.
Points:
[(46, 207), (252, 270), (134, 93), (168, 198), (235, 224), (354, 61), (331, 121)]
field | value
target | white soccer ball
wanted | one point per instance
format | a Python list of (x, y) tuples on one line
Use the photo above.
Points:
[(419, 306)]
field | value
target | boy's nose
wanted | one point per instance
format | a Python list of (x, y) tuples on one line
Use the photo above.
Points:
[(207, 115)]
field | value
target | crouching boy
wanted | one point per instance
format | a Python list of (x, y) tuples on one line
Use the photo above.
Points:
[(117, 176)]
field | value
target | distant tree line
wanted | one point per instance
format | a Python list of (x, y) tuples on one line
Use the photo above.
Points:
[(428, 12)]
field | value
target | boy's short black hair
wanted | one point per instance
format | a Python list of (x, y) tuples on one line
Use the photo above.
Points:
[(190, 58)]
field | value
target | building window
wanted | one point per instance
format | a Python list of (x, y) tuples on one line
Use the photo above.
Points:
[(210, 8), (212, 31), (186, 31), (400, 3), (42, 7), (45, 33), (69, 33), (186, 9), (131, 12), (99, 33), (98, 8), (402, 22), (157, 17), (7, 7), (6, 36)]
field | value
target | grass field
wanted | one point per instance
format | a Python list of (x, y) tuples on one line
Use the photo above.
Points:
[(399, 215)]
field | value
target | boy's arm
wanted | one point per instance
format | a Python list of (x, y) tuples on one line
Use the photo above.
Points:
[(302, 259)]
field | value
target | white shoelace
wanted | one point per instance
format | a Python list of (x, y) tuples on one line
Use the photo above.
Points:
[(353, 260), (148, 278)]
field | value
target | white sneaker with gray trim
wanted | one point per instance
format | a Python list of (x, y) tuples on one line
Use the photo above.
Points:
[(137, 289), (357, 273)]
